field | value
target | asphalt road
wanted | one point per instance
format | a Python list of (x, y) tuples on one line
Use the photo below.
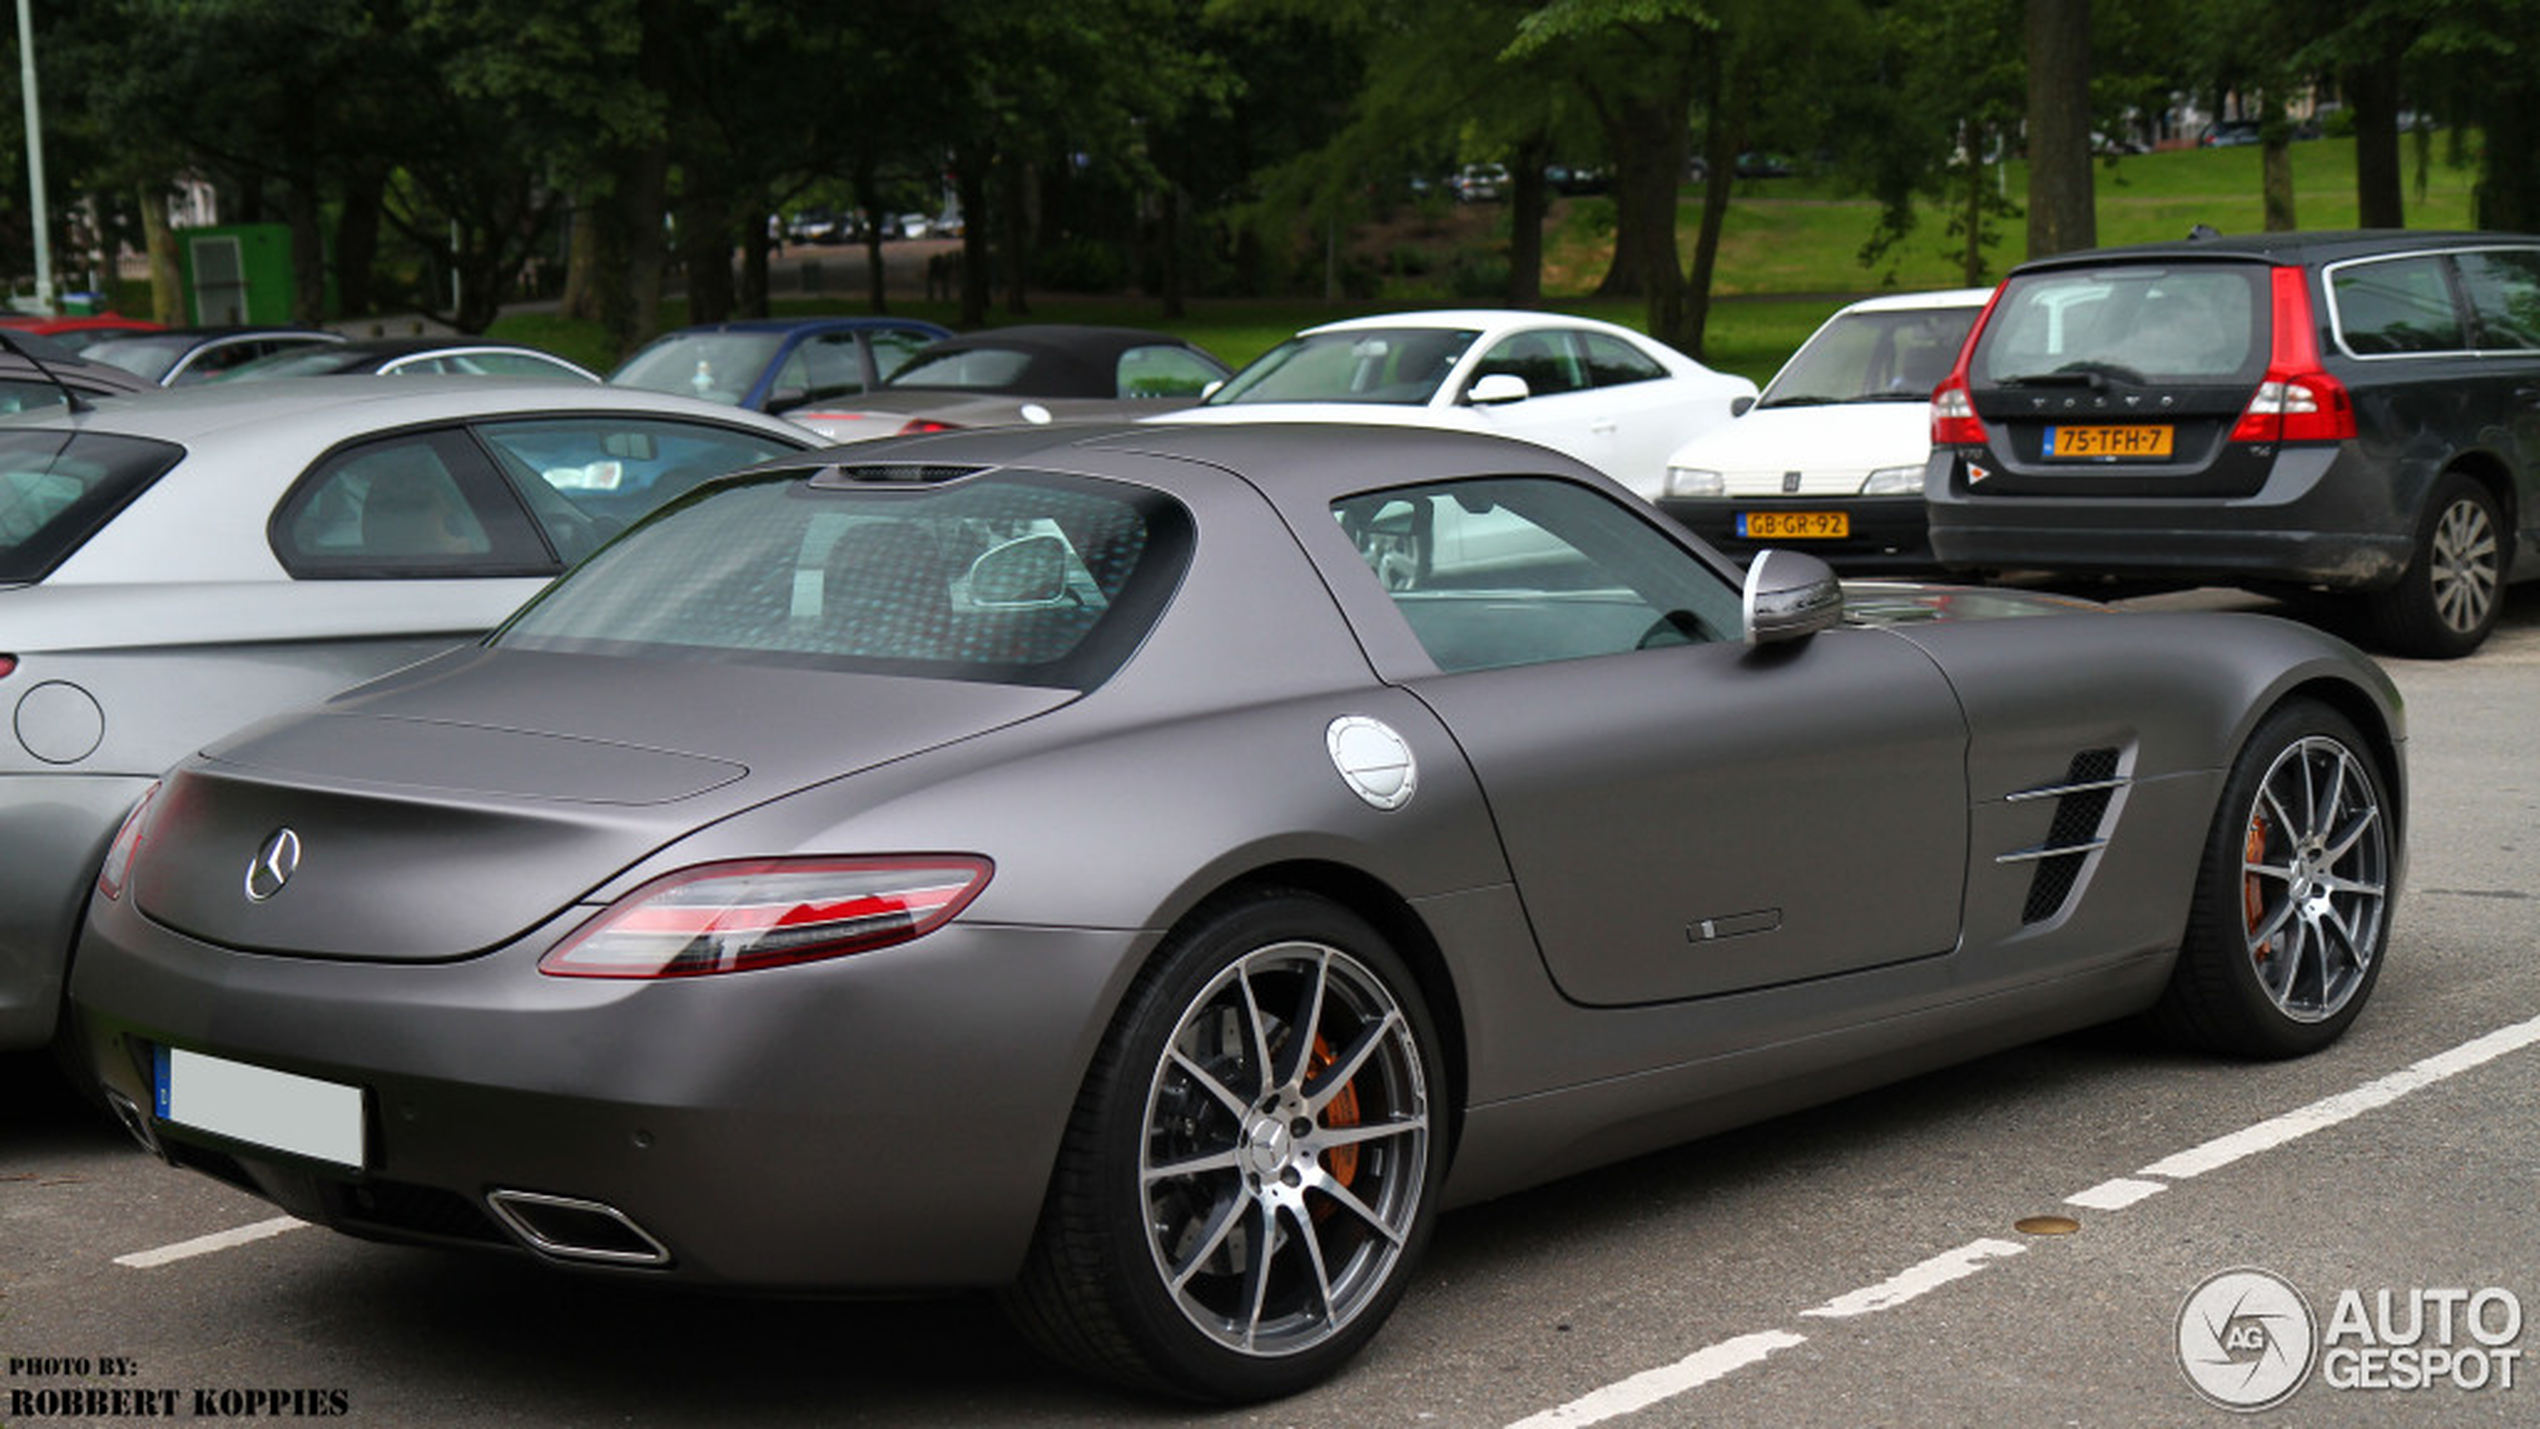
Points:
[(1861, 1264)]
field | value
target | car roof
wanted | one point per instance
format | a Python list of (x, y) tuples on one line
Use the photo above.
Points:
[(1486, 319), (822, 324), (1059, 337), (185, 414), (2317, 246), (1306, 464), (1916, 302)]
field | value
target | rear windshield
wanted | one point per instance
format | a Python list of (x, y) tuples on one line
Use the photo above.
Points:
[(1010, 578), (2147, 326), (59, 488)]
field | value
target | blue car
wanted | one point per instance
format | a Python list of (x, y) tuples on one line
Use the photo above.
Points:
[(776, 364)]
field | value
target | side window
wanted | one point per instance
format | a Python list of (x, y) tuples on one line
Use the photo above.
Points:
[(1522, 571), (587, 478), (1613, 362), (1163, 372), (1548, 361), (2396, 305), (417, 504), (2504, 292), (893, 347)]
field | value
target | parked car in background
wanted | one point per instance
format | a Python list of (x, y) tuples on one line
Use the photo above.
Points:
[(1033, 372), (1600, 393), (179, 563), (880, 849), (37, 372), (179, 356), (1830, 458), (76, 327), (1480, 183), (456, 356), (2341, 412), (777, 364)]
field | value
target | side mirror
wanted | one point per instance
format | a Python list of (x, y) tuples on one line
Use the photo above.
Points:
[(1029, 573), (1790, 596), (1498, 389), (1211, 389), (1740, 406)]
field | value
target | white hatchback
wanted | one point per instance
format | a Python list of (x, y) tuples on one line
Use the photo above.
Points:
[(1591, 390), (1830, 459)]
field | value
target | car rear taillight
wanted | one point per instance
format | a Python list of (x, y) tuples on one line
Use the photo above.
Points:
[(732, 917), (1954, 422), (7, 664), (116, 872), (2296, 401), (918, 425)]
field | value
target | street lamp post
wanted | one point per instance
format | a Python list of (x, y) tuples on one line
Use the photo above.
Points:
[(35, 160)]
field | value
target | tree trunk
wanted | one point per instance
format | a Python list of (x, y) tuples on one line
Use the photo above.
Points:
[(2507, 196), (308, 250), (580, 300), (2061, 214), (2372, 94), (2275, 166), (1645, 135), (167, 279), (970, 180), (1529, 200), (1725, 138), (1014, 231), (357, 241)]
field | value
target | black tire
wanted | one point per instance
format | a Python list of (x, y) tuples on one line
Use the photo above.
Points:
[(2291, 918), (2446, 603), (1210, 1125)]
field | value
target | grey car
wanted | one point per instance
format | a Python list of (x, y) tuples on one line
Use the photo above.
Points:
[(176, 564), (1058, 860)]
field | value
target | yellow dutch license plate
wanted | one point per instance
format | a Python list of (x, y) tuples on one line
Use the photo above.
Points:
[(2138, 440), (1794, 525)]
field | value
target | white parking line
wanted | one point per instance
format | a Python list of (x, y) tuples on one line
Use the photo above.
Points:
[(205, 1245), (1918, 1281), (1650, 1387), (1653, 1386)]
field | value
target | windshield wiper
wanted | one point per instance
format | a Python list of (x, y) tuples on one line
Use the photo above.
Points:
[(1804, 399)]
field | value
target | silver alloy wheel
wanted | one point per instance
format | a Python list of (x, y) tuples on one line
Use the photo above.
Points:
[(1286, 1141), (2462, 566), (2315, 877)]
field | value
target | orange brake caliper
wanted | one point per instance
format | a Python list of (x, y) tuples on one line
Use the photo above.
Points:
[(1341, 1161)]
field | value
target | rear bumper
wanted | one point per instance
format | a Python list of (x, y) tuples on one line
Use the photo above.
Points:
[(875, 1123), (2325, 517)]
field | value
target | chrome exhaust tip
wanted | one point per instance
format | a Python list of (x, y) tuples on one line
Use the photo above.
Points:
[(135, 1123), (570, 1228)]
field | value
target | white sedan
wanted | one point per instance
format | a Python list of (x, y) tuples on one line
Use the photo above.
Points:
[(1601, 393)]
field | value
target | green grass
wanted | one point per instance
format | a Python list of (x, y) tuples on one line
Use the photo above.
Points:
[(1789, 255)]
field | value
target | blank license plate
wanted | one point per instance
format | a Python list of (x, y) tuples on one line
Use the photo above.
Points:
[(260, 1106), (1794, 525), (2141, 440)]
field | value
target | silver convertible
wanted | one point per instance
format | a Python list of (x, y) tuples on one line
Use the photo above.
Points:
[(1152, 871)]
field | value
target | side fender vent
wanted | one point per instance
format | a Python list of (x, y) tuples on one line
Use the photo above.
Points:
[(2078, 830)]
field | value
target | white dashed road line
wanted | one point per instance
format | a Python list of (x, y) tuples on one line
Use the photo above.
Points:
[(1629, 1396), (205, 1245)]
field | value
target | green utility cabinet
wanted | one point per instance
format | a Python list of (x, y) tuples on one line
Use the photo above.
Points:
[(236, 273)]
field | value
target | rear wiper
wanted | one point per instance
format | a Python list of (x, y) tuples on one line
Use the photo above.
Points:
[(2093, 375), (1804, 399)]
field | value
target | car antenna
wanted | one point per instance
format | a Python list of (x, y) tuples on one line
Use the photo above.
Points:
[(70, 398)]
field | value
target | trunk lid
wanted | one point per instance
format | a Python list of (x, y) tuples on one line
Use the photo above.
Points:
[(453, 807)]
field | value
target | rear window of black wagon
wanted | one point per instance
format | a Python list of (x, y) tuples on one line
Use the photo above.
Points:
[(1014, 578)]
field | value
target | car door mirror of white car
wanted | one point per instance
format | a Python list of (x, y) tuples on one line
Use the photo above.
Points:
[(1740, 406), (1790, 596), (1498, 389)]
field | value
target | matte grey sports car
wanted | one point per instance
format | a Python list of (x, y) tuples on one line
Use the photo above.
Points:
[(1153, 870)]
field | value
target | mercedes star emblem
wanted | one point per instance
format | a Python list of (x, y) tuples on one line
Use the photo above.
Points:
[(273, 865)]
